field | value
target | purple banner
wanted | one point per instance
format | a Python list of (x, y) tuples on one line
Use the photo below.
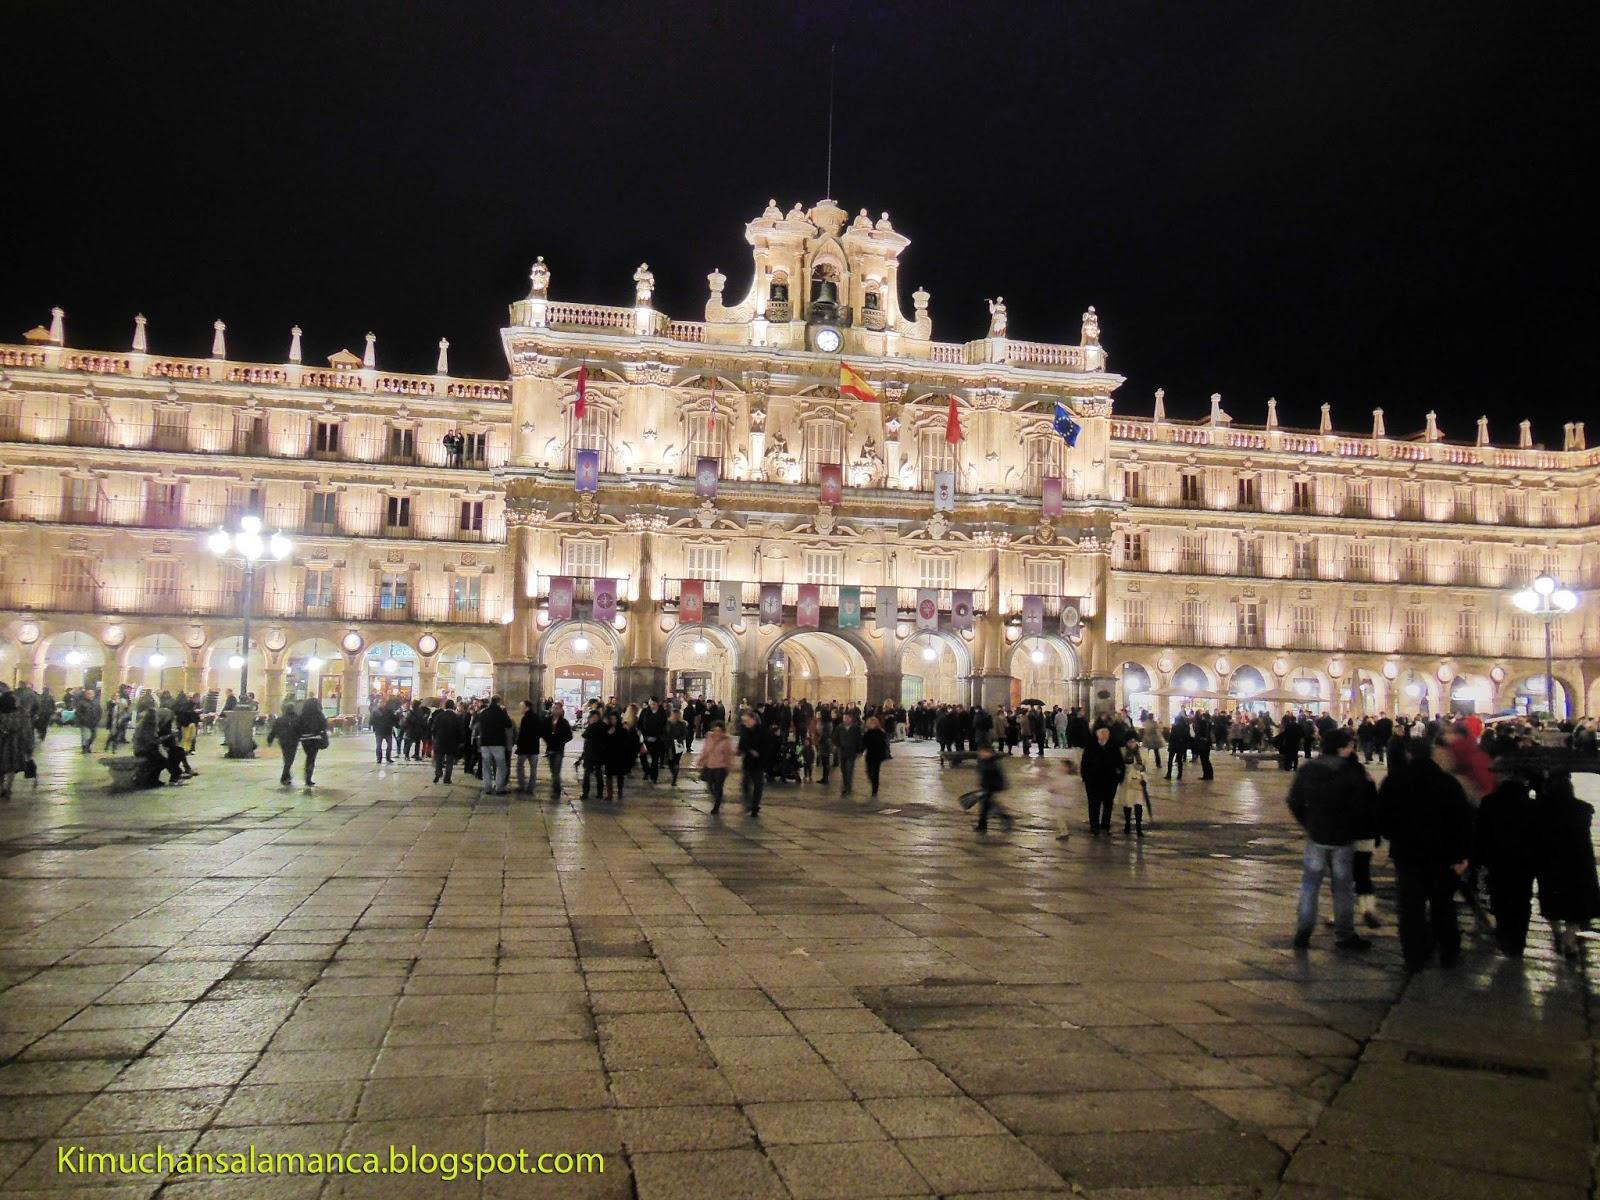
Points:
[(831, 481), (1032, 616), (1052, 496), (961, 610), (561, 598), (927, 608), (808, 608), (706, 472), (605, 600), (586, 474), (772, 604)]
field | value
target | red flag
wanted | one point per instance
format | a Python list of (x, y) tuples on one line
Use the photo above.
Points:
[(952, 423), (582, 406)]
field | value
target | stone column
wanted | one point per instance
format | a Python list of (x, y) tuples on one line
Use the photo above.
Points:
[(1095, 665), (514, 675), (272, 695), (643, 670), (991, 652), (350, 701)]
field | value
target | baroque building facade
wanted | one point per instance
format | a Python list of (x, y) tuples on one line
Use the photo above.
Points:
[(1151, 562)]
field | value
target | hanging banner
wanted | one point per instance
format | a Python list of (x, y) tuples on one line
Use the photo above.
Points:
[(1071, 618), (561, 598), (849, 608), (692, 602), (586, 475), (927, 608), (808, 607), (706, 471), (605, 600), (730, 603), (1052, 496), (944, 491), (960, 611), (772, 604), (886, 609), (1033, 616), (831, 479)]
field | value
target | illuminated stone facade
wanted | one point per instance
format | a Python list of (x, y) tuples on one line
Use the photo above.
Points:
[(1203, 559)]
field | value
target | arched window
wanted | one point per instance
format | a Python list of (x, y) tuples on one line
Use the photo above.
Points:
[(704, 439), (824, 443), (934, 454), (1046, 460), (591, 433)]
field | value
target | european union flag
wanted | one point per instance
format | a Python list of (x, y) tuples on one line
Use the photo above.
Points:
[(1066, 426)]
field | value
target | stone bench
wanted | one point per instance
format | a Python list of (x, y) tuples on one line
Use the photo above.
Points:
[(1253, 759), (130, 773)]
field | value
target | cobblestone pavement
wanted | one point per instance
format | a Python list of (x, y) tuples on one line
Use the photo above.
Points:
[(841, 999)]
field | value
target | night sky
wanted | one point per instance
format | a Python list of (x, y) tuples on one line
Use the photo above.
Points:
[(1364, 204)]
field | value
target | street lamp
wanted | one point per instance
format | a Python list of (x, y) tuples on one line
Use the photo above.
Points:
[(249, 547), (1547, 600)]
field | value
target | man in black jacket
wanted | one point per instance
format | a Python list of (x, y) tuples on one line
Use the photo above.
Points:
[(1424, 813), (444, 731), (1332, 798), (557, 733), (530, 732), (494, 736), (1103, 770), (847, 743), (653, 728)]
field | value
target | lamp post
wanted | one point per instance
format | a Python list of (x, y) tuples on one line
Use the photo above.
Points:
[(1547, 600), (249, 547)]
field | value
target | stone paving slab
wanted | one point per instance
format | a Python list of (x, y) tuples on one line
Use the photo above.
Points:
[(840, 999)]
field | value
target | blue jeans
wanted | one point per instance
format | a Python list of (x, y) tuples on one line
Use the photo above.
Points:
[(494, 770), (1339, 861)]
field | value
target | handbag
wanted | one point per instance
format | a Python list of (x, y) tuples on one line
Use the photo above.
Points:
[(968, 799), (322, 742), (30, 769)]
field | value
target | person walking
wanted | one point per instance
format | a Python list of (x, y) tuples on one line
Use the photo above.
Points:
[(592, 758), (496, 733), (1331, 799), (1204, 732), (652, 727), (1424, 814), (530, 730), (313, 730), (716, 760), (1152, 738), (445, 730), (622, 752), (676, 739), (1132, 789), (1178, 745), (752, 761), (1569, 890), (382, 722), (87, 715), (285, 730), (847, 745), (875, 748), (1103, 770), (16, 743), (991, 782), (558, 734)]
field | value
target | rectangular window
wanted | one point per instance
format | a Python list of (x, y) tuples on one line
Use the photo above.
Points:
[(1133, 550), (1305, 625), (1247, 623), (324, 513), (704, 562), (75, 581), (1517, 508), (824, 566), (1360, 628), (1043, 577), (472, 516), (81, 498), (319, 589), (824, 443), (936, 573), (1411, 502), (1467, 630), (1548, 511), (1413, 565), (1303, 499), (1358, 560), (1464, 508), (163, 504), (1046, 460), (86, 424), (1522, 631), (1249, 556), (244, 502), (249, 433), (402, 445), (466, 595), (172, 428), (1190, 488), (1135, 618), (1519, 569), (325, 439), (934, 455), (1305, 560), (474, 449), (1467, 565), (394, 591), (583, 558), (1358, 498), (1249, 496), (161, 580), (1416, 628), (1191, 556), (1192, 621), (397, 512), (705, 440), (1130, 486)]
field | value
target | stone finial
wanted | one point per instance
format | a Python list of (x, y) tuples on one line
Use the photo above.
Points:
[(1161, 405), (219, 339), (644, 286), (1089, 331), (58, 327), (997, 317), (294, 344), (369, 356), (1218, 417), (1272, 412), (919, 300), (141, 341), (1430, 431), (539, 278), (1483, 431), (1525, 434), (716, 281), (1326, 424), (1378, 430), (1566, 436), (442, 367), (1577, 436)]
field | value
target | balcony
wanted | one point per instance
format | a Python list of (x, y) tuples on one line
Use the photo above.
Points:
[(828, 593)]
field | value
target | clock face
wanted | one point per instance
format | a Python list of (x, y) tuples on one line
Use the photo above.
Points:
[(827, 340)]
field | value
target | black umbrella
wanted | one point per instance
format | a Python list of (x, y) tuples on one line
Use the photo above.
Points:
[(1032, 701)]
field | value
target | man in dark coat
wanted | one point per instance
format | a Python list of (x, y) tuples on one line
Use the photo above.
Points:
[(1179, 740), (1290, 739), (444, 731), (1331, 798), (753, 752), (653, 729), (1423, 812), (847, 744), (557, 733), (530, 732), (1103, 770)]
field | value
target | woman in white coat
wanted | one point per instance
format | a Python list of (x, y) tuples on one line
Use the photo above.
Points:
[(1132, 789)]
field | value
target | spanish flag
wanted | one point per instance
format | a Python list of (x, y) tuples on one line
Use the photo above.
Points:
[(853, 383)]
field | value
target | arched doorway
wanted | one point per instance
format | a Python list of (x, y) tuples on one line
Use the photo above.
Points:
[(1244, 684), (1471, 694), (1415, 692), (1192, 687), (936, 667), (1307, 689), (1528, 696), (314, 667), (702, 663), (73, 660), (815, 666), (389, 669), (225, 660), (1043, 668), (466, 671), (1138, 693), (11, 660), (158, 662), (580, 662)]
